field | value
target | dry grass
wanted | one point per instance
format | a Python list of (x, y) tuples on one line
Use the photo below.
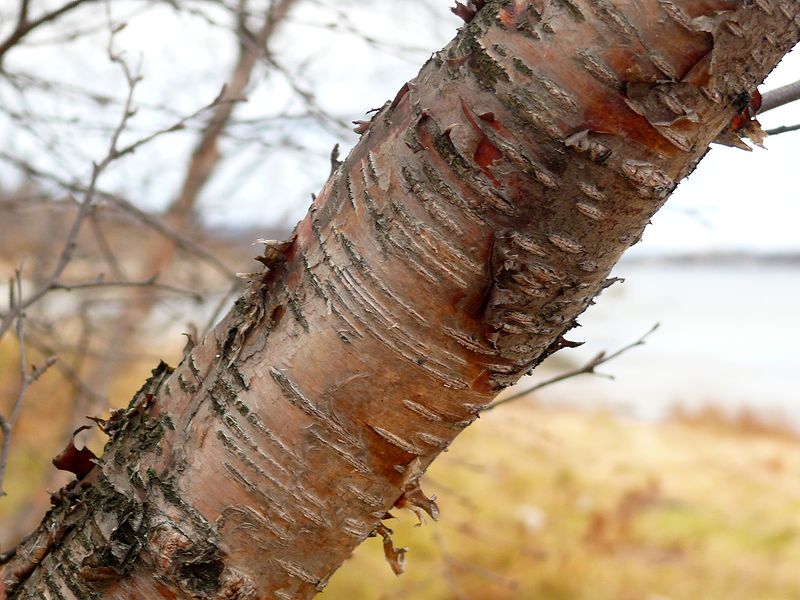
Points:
[(742, 421), (554, 504)]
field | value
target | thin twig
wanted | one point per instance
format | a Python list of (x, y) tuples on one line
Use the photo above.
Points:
[(783, 129), (151, 221), (85, 206), (90, 192), (587, 369), (70, 373), (74, 349), (181, 242), (25, 26), (177, 126), (150, 282), (333, 124), (26, 379), (780, 97), (207, 156)]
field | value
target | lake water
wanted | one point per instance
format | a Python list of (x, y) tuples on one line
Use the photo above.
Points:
[(728, 336)]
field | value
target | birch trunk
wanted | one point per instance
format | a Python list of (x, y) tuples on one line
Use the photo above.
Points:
[(479, 215)]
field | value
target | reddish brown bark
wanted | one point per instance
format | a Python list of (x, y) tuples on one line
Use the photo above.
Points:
[(448, 255)]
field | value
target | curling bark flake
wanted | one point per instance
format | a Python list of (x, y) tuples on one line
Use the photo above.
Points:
[(479, 215)]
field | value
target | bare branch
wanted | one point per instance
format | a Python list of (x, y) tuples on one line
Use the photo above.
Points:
[(587, 369), (180, 241), (26, 378), (150, 282), (206, 157), (220, 100), (24, 26), (84, 209), (151, 221), (780, 97), (783, 129), (24, 5), (70, 373), (90, 192)]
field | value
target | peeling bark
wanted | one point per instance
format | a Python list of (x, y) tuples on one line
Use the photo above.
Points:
[(479, 215)]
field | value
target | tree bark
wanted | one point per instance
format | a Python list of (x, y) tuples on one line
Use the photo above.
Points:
[(479, 215)]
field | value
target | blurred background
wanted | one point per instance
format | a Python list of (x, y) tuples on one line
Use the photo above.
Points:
[(675, 478)]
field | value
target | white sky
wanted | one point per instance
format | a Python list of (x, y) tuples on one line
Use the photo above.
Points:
[(739, 200), (734, 201)]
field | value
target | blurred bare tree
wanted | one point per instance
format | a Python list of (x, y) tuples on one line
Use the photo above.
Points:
[(105, 255)]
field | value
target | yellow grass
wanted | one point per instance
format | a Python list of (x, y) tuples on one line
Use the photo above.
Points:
[(555, 504), (552, 504)]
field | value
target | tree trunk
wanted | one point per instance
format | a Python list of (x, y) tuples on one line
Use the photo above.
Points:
[(479, 215)]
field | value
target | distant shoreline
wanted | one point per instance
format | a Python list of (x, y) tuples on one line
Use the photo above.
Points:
[(778, 259)]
